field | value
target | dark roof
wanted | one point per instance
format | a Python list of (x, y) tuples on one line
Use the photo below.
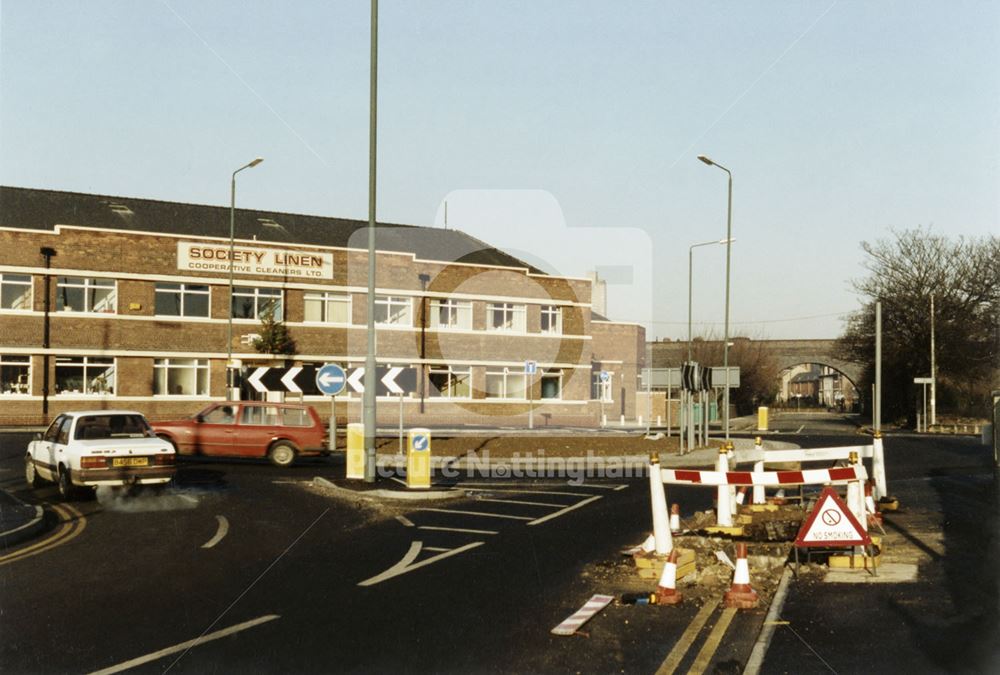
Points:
[(44, 209)]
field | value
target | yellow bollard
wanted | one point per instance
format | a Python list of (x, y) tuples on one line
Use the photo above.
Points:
[(762, 418), (356, 450), (418, 458)]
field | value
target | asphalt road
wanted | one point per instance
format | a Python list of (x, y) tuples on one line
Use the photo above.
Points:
[(247, 548)]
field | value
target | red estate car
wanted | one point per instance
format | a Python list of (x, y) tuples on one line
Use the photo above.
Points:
[(278, 431)]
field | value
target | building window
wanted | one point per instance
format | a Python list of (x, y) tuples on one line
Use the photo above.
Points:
[(15, 292), (451, 382), (254, 303), (506, 316), (450, 313), (181, 300), (551, 319), (328, 307), (79, 294), (552, 385), (15, 375), (180, 377), (85, 375), (505, 384), (393, 310), (600, 391)]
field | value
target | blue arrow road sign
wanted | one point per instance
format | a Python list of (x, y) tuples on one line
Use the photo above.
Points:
[(419, 441), (331, 379)]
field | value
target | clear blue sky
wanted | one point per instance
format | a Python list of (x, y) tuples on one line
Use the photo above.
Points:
[(564, 131)]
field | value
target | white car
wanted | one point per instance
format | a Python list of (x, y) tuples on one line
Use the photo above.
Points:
[(100, 447)]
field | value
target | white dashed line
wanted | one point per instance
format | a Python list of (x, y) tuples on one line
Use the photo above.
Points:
[(461, 530), (405, 521), (219, 534), (478, 513), (602, 486), (183, 646), (515, 501), (537, 492), (564, 511)]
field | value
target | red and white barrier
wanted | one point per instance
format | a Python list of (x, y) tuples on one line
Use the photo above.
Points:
[(765, 478), (582, 615), (723, 500)]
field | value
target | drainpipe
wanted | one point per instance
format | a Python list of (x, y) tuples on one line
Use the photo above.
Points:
[(48, 253), (424, 278)]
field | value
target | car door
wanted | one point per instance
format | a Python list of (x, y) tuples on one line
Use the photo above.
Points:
[(257, 426), (42, 449), (216, 430), (58, 448)]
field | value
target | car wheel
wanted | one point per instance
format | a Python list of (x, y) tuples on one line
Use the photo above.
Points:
[(30, 474), (281, 453), (66, 488)]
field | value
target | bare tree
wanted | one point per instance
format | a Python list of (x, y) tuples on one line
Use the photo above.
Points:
[(758, 370), (903, 272)]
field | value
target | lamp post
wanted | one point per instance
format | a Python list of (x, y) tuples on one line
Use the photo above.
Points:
[(729, 247), (232, 230), (368, 411), (690, 278)]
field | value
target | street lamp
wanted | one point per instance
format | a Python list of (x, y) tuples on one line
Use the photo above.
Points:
[(232, 227), (690, 277), (729, 246)]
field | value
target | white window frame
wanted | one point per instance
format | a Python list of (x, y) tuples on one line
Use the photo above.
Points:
[(507, 375), (168, 364), (326, 299), (452, 372), (7, 281), (16, 388), (554, 315), (513, 317), (184, 291), (88, 285), (558, 376), (403, 303), (270, 293), (87, 363), (458, 314)]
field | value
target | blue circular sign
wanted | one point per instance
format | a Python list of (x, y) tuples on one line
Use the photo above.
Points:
[(420, 442), (331, 379)]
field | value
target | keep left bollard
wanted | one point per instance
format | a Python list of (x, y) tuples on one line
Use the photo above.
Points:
[(356, 451), (418, 459)]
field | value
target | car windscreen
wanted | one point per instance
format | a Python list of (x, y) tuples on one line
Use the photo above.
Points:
[(92, 427)]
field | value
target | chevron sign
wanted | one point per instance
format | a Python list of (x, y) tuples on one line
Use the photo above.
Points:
[(391, 380)]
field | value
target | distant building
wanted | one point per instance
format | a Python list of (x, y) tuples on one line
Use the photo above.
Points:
[(138, 310)]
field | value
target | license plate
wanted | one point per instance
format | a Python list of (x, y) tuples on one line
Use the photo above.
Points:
[(130, 461)]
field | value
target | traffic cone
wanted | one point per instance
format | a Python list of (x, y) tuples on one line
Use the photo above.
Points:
[(740, 595), (666, 591), (675, 518), (874, 515), (649, 545), (779, 497), (741, 495)]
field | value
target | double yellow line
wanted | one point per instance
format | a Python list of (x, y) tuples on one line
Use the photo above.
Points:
[(72, 523), (711, 645)]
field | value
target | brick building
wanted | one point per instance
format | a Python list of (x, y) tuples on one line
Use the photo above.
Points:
[(121, 302)]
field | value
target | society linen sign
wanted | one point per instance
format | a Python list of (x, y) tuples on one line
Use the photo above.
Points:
[(197, 257)]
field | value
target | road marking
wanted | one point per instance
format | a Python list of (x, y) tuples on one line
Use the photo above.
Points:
[(538, 492), (183, 646), (515, 501), (478, 513), (73, 523), (708, 649), (404, 565), (438, 549), (562, 512), (405, 521), (799, 430), (219, 534), (603, 487), (462, 530), (682, 645)]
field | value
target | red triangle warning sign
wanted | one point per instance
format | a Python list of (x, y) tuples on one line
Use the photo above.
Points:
[(831, 523)]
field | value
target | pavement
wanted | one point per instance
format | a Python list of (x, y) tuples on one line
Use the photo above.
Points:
[(18, 521)]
